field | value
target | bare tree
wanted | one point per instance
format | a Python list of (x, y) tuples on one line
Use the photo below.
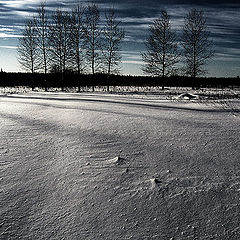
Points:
[(28, 49), (42, 24), (162, 51), (77, 38), (60, 41), (112, 37), (92, 35), (197, 48)]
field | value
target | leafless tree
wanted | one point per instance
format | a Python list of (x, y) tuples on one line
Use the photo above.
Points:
[(162, 50), (59, 40), (197, 48), (92, 35), (42, 24), (41, 21), (28, 49), (77, 38), (113, 34)]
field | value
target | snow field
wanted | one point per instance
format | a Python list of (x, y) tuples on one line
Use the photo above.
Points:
[(95, 166)]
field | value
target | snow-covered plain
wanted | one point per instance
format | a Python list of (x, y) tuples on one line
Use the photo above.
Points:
[(101, 166)]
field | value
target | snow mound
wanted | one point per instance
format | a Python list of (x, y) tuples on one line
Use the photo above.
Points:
[(187, 96), (155, 182), (117, 161)]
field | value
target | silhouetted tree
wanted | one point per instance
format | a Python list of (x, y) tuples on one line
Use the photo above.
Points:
[(42, 24), (55, 69), (112, 37), (59, 40), (28, 56), (92, 35), (77, 38), (197, 48), (162, 51)]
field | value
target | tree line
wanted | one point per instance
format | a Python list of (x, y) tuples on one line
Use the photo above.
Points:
[(76, 40), (72, 40), (163, 50), (86, 81)]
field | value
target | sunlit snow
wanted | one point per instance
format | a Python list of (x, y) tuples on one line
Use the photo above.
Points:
[(102, 166)]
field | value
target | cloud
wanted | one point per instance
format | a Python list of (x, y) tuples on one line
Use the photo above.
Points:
[(6, 35), (6, 29), (132, 62), (8, 47), (131, 57), (136, 15)]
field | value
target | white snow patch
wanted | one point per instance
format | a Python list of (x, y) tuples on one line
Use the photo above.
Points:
[(187, 96), (117, 161)]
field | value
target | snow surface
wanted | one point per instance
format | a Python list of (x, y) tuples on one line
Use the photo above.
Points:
[(95, 166)]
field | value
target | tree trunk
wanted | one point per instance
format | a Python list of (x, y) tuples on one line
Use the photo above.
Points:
[(45, 83), (108, 83), (62, 81), (193, 82), (163, 82)]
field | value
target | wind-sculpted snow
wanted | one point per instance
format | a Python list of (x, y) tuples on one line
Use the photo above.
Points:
[(94, 166)]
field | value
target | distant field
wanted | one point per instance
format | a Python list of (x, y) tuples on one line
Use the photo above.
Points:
[(168, 92), (119, 166)]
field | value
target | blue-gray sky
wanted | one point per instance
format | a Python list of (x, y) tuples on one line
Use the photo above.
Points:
[(223, 18)]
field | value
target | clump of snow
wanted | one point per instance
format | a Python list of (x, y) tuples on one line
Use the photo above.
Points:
[(155, 182), (188, 96), (117, 161)]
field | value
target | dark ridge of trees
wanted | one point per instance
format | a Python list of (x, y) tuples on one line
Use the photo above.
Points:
[(87, 80)]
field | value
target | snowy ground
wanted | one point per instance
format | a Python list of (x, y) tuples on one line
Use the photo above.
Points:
[(101, 166)]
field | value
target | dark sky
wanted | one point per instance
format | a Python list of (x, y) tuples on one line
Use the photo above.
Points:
[(223, 18)]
